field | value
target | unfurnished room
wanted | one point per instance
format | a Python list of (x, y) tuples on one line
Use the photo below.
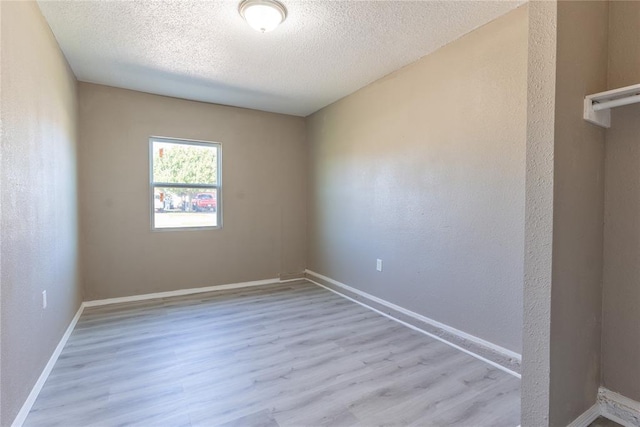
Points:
[(294, 213)]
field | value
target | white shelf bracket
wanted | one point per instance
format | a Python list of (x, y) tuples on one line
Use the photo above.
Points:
[(597, 107)]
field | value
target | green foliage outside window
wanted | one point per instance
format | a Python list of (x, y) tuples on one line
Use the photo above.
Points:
[(185, 164)]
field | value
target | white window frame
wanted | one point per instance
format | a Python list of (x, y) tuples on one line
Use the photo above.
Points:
[(218, 187)]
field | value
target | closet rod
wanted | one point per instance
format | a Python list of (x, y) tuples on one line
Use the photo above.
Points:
[(598, 106)]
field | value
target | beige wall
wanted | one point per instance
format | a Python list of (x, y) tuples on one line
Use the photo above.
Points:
[(425, 170), (39, 210), (578, 209), (621, 313), (263, 235)]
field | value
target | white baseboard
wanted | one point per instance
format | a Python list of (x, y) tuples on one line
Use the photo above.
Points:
[(619, 408), (190, 291), (456, 338), (613, 406), (28, 404), (587, 417), (289, 277), (295, 279)]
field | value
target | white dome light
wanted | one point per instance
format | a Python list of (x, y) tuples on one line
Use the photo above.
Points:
[(263, 15)]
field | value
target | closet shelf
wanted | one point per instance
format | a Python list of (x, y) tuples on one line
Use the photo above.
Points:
[(597, 107)]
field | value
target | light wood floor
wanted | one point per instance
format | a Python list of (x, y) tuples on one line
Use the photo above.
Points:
[(287, 355)]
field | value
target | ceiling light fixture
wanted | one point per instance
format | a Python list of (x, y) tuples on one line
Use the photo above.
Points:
[(263, 15)]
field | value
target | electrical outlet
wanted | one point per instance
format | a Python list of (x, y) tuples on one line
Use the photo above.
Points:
[(44, 299), (379, 264)]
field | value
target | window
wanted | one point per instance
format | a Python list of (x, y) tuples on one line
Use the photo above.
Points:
[(185, 184)]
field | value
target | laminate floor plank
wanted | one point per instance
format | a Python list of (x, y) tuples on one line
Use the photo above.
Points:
[(282, 355)]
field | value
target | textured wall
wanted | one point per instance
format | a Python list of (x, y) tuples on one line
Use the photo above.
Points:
[(621, 316), (263, 235), (39, 210), (578, 210), (538, 259), (425, 169)]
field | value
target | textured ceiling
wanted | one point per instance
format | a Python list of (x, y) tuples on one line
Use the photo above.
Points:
[(204, 51)]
